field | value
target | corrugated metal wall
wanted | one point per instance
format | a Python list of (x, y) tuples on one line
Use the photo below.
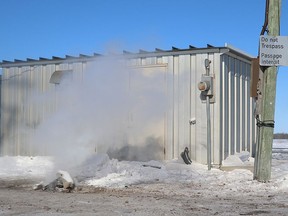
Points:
[(237, 121), (22, 104), (232, 122)]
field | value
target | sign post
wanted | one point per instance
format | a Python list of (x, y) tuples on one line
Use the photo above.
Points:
[(263, 157)]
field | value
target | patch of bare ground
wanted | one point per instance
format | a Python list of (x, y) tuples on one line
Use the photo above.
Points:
[(149, 199)]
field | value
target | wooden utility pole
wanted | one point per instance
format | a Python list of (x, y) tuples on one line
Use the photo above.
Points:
[(263, 159)]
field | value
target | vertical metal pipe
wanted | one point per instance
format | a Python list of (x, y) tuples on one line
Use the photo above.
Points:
[(207, 66), (208, 132)]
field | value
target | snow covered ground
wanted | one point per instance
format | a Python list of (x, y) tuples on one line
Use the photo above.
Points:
[(100, 171), (112, 187)]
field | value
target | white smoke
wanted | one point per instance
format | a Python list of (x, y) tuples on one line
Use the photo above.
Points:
[(114, 108)]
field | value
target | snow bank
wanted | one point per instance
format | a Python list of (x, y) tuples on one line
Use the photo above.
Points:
[(100, 171), (103, 172), (239, 159)]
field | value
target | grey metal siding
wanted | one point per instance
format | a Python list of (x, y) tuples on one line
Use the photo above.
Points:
[(232, 122), (238, 124), (23, 107)]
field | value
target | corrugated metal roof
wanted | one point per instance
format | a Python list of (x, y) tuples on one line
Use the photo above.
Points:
[(141, 53)]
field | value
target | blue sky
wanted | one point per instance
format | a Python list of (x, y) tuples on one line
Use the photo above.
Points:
[(46, 28)]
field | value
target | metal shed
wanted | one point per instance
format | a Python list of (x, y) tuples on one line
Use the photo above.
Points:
[(184, 122)]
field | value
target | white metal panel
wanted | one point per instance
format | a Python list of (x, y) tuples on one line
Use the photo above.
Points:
[(242, 107), (147, 87), (184, 102), (237, 105), (7, 110), (170, 109), (226, 110), (201, 125), (175, 106), (193, 104), (230, 101), (216, 129)]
